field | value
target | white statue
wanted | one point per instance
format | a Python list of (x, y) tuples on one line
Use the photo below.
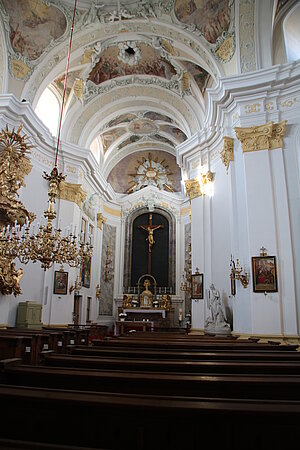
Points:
[(216, 322)]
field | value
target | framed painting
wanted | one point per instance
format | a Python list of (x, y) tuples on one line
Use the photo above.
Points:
[(197, 285), (264, 274), (60, 282), (86, 272)]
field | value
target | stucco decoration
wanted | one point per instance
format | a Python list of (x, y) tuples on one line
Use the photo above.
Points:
[(211, 18), (131, 164), (32, 28), (109, 98), (246, 36)]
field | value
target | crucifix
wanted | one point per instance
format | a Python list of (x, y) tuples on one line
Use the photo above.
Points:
[(150, 228)]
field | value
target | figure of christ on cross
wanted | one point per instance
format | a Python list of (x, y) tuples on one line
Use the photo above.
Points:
[(150, 230)]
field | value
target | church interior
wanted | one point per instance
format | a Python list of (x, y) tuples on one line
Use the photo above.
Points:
[(150, 217)]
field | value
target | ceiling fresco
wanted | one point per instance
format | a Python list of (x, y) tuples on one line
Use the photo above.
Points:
[(33, 25), (141, 125), (200, 75), (210, 17), (111, 66), (142, 169)]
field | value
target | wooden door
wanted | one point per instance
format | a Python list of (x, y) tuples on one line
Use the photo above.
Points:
[(76, 310)]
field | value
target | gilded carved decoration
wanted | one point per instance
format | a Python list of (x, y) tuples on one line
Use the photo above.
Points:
[(100, 220), (72, 192), (14, 166), (262, 137), (192, 188), (227, 152)]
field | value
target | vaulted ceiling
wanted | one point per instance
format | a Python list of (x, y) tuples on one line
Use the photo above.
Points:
[(138, 76)]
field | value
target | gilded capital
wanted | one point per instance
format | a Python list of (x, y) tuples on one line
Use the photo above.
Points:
[(278, 133), (193, 188), (262, 137), (227, 152), (100, 220), (72, 193)]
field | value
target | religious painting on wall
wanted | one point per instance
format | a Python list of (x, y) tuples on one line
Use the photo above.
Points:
[(60, 282), (264, 274), (197, 285), (86, 272)]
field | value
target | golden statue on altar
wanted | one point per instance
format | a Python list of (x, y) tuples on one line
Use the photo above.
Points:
[(165, 302), (127, 299), (146, 297)]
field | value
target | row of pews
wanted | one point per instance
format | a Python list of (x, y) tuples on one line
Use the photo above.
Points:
[(152, 390)]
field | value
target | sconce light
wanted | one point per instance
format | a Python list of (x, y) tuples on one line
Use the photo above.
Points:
[(98, 292), (237, 273), (108, 266), (76, 286)]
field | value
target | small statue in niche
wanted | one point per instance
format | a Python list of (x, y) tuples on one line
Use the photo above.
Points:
[(146, 297)]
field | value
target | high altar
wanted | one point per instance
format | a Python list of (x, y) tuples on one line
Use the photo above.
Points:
[(146, 310)]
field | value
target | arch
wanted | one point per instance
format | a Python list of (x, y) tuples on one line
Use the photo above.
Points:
[(128, 244), (291, 33)]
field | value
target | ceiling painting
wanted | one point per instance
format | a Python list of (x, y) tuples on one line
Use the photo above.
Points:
[(142, 169), (123, 118), (143, 127), (111, 66), (131, 140), (175, 132), (33, 26), (107, 138), (163, 139), (72, 76), (200, 75), (210, 17), (156, 116)]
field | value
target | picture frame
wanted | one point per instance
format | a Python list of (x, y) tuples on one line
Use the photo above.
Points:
[(197, 286), (264, 274), (60, 282), (86, 272)]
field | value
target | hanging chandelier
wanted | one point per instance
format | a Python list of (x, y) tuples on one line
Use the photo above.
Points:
[(20, 238)]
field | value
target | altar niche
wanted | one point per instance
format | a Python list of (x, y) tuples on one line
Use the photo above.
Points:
[(150, 248)]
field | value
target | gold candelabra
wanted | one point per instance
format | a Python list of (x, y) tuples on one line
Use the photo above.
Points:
[(237, 272), (108, 266)]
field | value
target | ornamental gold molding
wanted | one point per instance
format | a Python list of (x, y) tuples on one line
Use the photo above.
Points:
[(72, 193), (227, 152), (193, 188), (262, 137), (278, 134), (100, 220)]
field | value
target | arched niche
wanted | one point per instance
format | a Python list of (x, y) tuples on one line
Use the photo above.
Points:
[(140, 217)]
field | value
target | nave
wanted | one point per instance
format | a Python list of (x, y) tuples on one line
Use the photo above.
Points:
[(166, 390)]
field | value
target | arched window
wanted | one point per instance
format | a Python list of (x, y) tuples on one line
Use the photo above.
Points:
[(48, 109), (291, 31)]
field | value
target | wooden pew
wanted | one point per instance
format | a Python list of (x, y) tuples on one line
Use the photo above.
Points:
[(172, 384), (119, 421), (180, 366), (207, 355)]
